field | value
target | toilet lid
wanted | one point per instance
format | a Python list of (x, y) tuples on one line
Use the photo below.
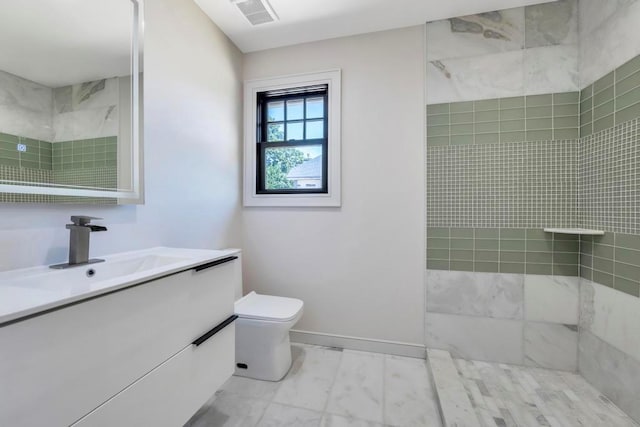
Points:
[(267, 307)]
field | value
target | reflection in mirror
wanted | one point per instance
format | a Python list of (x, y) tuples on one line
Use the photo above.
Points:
[(68, 103)]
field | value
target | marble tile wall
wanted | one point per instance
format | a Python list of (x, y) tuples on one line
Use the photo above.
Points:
[(507, 318), (522, 51), (26, 108)]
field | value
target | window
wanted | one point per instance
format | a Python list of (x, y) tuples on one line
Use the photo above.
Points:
[(292, 141), (291, 144)]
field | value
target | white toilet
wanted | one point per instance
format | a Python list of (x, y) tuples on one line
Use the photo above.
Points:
[(263, 350)]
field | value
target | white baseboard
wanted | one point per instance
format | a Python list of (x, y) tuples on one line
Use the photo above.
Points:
[(361, 344)]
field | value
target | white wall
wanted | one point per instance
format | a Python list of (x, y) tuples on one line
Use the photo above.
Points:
[(192, 152), (358, 268)]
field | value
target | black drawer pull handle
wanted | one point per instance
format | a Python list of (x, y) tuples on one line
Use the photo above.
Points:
[(215, 330), (214, 263)]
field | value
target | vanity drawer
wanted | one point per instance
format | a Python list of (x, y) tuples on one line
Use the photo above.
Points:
[(186, 381), (59, 366)]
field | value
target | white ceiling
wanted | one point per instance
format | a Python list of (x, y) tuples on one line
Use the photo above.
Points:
[(62, 42), (310, 20)]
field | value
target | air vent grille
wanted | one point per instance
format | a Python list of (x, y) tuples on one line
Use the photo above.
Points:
[(256, 11)]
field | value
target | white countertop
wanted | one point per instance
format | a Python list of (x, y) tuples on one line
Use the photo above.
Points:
[(29, 291)]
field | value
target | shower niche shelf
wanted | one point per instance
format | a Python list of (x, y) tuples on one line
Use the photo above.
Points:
[(580, 231)]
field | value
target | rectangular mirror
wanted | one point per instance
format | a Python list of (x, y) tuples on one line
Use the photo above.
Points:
[(71, 101)]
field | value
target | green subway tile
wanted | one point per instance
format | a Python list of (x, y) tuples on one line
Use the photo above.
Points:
[(540, 135), (627, 114), (537, 234), (112, 149), (487, 233), (586, 130), (545, 269), (566, 98), (486, 116), (486, 267), (461, 118), (539, 100), (513, 233), (461, 265), (539, 257), (466, 233), (566, 122), (603, 251), (487, 127), (631, 82), (586, 93), (512, 114), (5, 137), (438, 254), (628, 99), (487, 255), (627, 286), (461, 140), (9, 162), (487, 104), (628, 256), (631, 272), (571, 110), (565, 246), (9, 146), (604, 265), (586, 260), (565, 258), (461, 244), (439, 120), (437, 243), (487, 244), (566, 133), (10, 154), (586, 273), (30, 157), (603, 110), (437, 109), (513, 102), (512, 245), (29, 165), (103, 156), (538, 124), (565, 269), (437, 130), (603, 278), (436, 264), (512, 268), (586, 117), (512, 256), (512, 125), (437, 232), (628, 68), (604, 82), (586, 105), (562, 236), (461, 107), (436, 141), (538, 112), (603, 123), (513, 136), (462, 129), (461, 255), (487, 138)]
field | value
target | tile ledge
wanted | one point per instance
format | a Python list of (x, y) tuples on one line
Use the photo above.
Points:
[(580, 231)]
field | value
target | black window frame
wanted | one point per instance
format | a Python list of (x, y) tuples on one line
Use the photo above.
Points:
[(262, 128)]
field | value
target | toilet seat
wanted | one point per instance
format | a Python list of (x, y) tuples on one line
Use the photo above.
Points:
[(267, 307)]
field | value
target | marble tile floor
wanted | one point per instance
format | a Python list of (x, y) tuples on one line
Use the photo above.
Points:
[(509, 395), (329, 387)]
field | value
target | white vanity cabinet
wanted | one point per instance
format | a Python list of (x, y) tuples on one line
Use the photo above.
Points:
[(125, 358)]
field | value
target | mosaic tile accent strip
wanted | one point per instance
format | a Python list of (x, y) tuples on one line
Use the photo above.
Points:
[(519, 185), (612, 260), (612, 100), (23, 152), (502, 250), (101, 177), (609, 179), (25, 176), (523, 118)]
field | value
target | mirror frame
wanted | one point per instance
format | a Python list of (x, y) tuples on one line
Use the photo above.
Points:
[(135, 195)]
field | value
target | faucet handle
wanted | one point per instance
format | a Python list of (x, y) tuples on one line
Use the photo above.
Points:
[(82, 220)]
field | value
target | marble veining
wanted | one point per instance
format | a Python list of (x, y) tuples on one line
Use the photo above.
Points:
[(26, 107), (552, 23), (551, 69), (551, 299), (476, 294), (549, 345)]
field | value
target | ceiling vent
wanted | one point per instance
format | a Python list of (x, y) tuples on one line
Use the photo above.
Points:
[(256, 11)]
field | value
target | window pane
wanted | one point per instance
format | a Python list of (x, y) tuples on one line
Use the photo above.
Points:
[(275, 111), (295, 131), (315, 108), (275, 132), (295, 109), (293, 167), (315, 129)]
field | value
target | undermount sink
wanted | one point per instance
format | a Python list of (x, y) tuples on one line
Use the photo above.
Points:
[(29, 291)]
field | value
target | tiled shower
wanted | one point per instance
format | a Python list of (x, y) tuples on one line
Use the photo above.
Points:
[(532, 122)]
